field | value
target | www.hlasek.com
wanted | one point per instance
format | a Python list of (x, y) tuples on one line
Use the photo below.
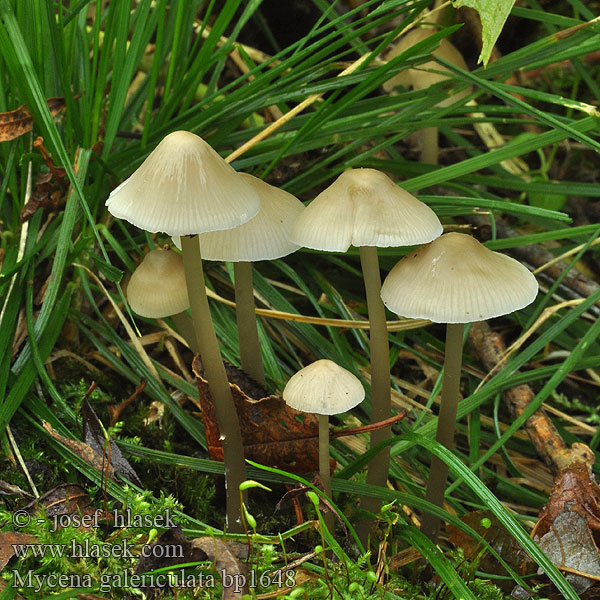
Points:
[(89, 549), (236, 582)]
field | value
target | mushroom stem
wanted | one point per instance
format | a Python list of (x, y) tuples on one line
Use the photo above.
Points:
[(446, 426), (185, 327), (324, 465), (218, 384), (250, 355), (381, 403), (429, 145)]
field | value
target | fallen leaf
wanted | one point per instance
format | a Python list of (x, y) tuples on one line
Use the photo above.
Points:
[(94, 436), (497, 536), (83, 450), (64, 499), (273, 434), (177, 550), (50, 188), (573, 491), (569, 544), (227, 558), (9, 539), (18, 122)]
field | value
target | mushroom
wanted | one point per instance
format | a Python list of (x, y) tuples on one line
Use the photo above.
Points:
[(365, 208), (423, 76), (264, 237), (454, 280), (324, 388), (157, 290), (184, 188)]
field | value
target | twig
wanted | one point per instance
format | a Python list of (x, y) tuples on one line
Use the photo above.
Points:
[(400, 325), (490, 349), (370, 427)]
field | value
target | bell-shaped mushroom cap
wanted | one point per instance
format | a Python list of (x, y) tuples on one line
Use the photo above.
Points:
[(264, 237), (157, 287), (364, 207), (430, 72), (456, 279), (323, 388), (184, 187)]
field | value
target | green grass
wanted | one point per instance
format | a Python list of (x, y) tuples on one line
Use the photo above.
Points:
[(57, 270)]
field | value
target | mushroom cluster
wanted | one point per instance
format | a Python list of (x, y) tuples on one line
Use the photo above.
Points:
[(185, 189)]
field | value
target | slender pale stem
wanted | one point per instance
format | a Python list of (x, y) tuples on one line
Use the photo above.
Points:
[(185, 327), (218, 384), (429, 145), (381, 404), (250, 354), (446, 427), (324, 465)]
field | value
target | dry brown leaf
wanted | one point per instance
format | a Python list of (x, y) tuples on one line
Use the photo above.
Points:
[(7, 540), (573, 491), (570, 546), (273, 434), (90, 456), (227, 558), (64, 499), (18, 122), (497, 537), (176, 549)]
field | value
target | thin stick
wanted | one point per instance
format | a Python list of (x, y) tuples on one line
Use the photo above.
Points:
[(324, 465), (436, 484), (249, 344), (400, 325), (218, 384), (381, 401)]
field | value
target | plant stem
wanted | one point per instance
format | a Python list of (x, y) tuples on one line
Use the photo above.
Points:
[(429, 145), (446, 426), (381, 403), (185, 327), (218, 384), (250, 355), (324, 466)]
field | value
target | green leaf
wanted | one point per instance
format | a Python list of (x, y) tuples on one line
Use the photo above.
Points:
[(493, 15)]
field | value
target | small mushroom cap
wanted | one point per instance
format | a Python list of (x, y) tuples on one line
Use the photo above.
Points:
[(456, 279), (157, 287), (364, 207), (323, 388), (264, 237), (184, 187), (428, 73)]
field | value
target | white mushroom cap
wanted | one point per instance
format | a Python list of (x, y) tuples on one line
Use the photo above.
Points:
[(456, 279), (323, 388), (264, 237), (157, 287), (428, 73), (364, 207), (184, 187)]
